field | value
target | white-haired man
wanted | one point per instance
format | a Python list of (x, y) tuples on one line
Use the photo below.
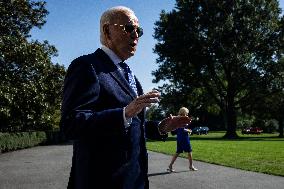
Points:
[(103, 110)]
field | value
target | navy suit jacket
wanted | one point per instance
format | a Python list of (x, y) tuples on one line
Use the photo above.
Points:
[(105, 154)]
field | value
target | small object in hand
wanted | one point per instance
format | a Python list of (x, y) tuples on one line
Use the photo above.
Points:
[(156, 99), (173, 122)]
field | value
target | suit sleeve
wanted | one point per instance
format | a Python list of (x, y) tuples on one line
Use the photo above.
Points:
[(82, 113)]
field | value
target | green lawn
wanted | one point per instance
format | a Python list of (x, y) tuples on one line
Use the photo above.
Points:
[(260, 153)]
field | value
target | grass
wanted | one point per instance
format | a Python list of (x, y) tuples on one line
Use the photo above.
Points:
[(259, 153)]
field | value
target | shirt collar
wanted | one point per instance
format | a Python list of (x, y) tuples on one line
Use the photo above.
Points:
[(111, 55)]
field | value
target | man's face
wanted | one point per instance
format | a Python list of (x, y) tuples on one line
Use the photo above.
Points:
[(119, 39)]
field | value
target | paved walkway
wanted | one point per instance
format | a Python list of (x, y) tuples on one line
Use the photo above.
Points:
[(48, 167)]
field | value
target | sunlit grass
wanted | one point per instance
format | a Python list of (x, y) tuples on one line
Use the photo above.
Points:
[(260, 153)]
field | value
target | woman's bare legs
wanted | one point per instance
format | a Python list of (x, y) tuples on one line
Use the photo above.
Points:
[(173, 161), (191, 167)]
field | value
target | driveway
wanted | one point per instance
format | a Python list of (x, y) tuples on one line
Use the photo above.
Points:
[(48, 167), (208, 176)]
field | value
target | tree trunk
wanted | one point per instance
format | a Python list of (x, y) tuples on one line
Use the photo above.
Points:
[(231, 119), (231, 126), (280, 123)]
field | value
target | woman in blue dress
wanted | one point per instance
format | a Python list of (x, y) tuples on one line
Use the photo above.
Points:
[(183, 143)]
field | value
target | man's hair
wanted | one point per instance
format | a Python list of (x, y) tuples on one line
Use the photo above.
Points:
[(183, 111), (111, 15)]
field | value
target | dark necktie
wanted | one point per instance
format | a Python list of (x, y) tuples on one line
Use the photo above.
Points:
[(128, 75)]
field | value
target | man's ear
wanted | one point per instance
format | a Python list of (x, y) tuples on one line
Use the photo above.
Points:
[(106, 31)]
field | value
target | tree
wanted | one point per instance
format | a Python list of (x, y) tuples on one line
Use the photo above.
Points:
[(30, 85), (154, 112), (224, 49), (272, 106)]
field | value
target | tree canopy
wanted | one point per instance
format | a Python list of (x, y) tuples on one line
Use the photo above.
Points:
[(30, 84), (218, 55)]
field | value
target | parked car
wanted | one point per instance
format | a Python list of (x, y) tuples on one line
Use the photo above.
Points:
[(200, 130), (152, 132), (252, 130)]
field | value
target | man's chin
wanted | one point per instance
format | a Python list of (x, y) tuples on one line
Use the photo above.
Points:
[(131, 53)]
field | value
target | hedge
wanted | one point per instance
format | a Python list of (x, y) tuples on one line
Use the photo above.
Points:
[(20, 140)]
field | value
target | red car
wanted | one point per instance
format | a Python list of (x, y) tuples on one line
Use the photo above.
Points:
[(252, 130)]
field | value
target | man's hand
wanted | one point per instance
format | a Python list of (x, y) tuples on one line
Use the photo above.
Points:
[(173, 122), (141, 102)]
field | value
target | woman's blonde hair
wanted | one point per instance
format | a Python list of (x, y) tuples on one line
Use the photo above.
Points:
[(183, 111)]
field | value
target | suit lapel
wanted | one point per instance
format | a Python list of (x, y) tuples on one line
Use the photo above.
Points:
[(120, 79), (116, 74), (139, 87)]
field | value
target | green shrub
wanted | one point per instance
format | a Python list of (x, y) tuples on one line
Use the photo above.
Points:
[(20, 140)]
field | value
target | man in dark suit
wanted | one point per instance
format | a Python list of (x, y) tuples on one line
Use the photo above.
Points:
[(103, 110)]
